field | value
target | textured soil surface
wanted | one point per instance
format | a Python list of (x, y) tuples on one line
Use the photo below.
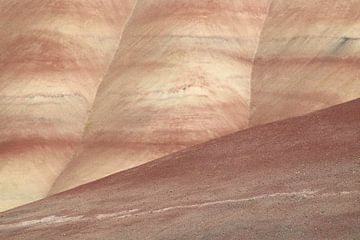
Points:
[(293, 179)]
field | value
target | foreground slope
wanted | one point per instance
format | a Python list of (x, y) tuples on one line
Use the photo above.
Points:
[(181, 77), (293, 179), (308, 58), (53, 54)]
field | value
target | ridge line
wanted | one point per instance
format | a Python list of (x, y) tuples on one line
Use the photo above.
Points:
[(255, 56), (79, 148)]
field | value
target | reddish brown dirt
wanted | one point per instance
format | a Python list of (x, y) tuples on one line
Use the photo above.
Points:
[(293, 179)]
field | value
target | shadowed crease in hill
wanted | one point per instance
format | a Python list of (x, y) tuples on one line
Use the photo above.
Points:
[(292, 179)]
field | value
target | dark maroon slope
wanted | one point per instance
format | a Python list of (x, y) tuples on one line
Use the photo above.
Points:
[(293, 179)]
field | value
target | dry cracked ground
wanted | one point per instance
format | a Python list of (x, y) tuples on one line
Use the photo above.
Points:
[(179, 119)]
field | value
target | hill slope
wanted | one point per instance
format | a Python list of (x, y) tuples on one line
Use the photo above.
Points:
[(307, 59), (293, 179)]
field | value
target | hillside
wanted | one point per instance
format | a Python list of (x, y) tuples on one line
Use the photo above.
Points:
[(292, 179)]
